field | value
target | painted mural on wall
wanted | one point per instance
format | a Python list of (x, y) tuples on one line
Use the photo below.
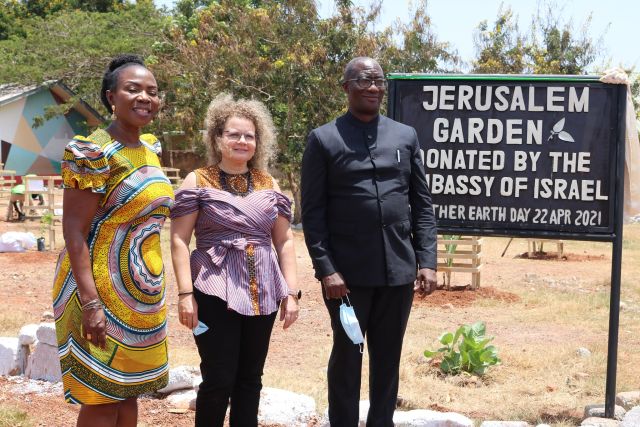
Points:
[(38, 150)]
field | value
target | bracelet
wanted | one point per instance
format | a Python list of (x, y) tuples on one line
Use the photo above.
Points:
[(295, 294), (94, 304), (184, 293)]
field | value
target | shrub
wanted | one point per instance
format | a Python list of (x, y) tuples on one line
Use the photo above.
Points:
[(466, 350)]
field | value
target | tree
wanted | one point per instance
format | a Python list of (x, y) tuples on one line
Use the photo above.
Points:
[(76, 46), (419, 50), (557, 48), (501, 49), (279, 52), (551, 47)]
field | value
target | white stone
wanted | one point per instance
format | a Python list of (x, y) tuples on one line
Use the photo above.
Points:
[(285, 408), (180, 378), (632, 418), (183, 399), (426, 418), (543, 425), (599, 422), (597, 410), (9, 356), (197, 380), (44, 363), (583, 352), (46, 333), (504, 424), (628, 399), (27, 334), (47, 316)]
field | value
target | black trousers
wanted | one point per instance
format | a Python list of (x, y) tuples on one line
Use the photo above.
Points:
[(383, 313), (232, 354)]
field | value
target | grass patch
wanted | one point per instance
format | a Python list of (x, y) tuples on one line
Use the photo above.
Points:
[(11, 417), (11, 322)]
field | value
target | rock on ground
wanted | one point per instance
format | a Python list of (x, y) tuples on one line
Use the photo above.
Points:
[(9, 356), (44, 364), (285, 407), (599, 422), (426, 418), (182, 399), (46, 333), (631, 418), (180, 378), (27, 334), (597, 410), (504, 424), (628, 399)]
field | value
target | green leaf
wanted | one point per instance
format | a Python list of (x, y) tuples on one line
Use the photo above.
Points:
[(446, 338), (428, 353), (478, 329)]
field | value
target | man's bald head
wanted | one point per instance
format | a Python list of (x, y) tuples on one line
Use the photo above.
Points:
[(353, 68)]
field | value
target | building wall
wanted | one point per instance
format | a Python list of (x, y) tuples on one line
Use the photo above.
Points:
[(35, 150)]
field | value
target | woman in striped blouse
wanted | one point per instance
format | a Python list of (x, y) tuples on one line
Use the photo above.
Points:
[(234, 282)]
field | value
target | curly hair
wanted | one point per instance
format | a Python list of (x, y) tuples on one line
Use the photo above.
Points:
[(110, 78), (221, 109)]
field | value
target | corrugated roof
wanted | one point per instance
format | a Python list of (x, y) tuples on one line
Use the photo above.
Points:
[(9, 92)]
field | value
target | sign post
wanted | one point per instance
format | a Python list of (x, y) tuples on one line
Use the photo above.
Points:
[(523, 156)]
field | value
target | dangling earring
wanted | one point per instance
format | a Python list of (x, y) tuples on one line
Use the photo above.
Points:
[(113, 113)]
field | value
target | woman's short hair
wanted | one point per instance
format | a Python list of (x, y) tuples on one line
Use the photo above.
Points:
[(221, 109), (110, 78)]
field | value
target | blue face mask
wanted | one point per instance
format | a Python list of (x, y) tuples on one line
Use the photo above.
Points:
[(350, 324)]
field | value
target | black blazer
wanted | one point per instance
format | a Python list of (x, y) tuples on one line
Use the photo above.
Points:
[(366, 206)]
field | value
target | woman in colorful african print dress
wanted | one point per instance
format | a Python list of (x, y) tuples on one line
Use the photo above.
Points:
[(233, 282), (108, 293)]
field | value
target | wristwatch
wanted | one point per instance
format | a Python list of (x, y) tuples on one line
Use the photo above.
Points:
[(296, 294)]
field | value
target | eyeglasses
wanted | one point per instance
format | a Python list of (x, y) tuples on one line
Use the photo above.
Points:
[(237, 136), (367, 83)]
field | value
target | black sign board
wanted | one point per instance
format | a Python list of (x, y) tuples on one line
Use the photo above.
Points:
[(516, 155), (524, 156)]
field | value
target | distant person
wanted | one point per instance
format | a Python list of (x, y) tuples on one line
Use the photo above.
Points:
[(17, 199), (109, 288), (243, 268), (16, 203), (371, 233)]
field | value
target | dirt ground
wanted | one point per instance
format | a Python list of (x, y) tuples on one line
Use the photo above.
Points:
[(540, 311)]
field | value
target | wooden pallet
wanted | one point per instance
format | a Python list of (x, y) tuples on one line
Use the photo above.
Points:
[(467, 258), (173, 174), (47, 188), (535, 245)]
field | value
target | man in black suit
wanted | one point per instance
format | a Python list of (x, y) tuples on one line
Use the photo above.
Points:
[(371, 233)]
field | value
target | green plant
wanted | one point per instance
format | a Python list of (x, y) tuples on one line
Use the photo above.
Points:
[(45, 222), (451, 247), (466, 350)]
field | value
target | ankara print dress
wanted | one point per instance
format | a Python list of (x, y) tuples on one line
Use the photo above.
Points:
[(124, 245)]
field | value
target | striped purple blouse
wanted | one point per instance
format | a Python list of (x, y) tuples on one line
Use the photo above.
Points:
[(234, 259)]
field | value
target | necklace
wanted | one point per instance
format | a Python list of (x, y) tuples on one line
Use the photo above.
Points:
[(239, 184)]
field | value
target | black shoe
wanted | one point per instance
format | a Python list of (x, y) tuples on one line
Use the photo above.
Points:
[(21, 217)]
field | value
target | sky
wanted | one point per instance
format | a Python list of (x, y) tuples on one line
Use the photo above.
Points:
[(617, 21)]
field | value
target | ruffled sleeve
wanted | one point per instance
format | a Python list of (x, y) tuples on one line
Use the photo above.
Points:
[(283, 204), (84, 165), (152, 142), (187, 201)]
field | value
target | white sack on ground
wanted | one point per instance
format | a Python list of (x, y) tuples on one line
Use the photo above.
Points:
[(16, 241)]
